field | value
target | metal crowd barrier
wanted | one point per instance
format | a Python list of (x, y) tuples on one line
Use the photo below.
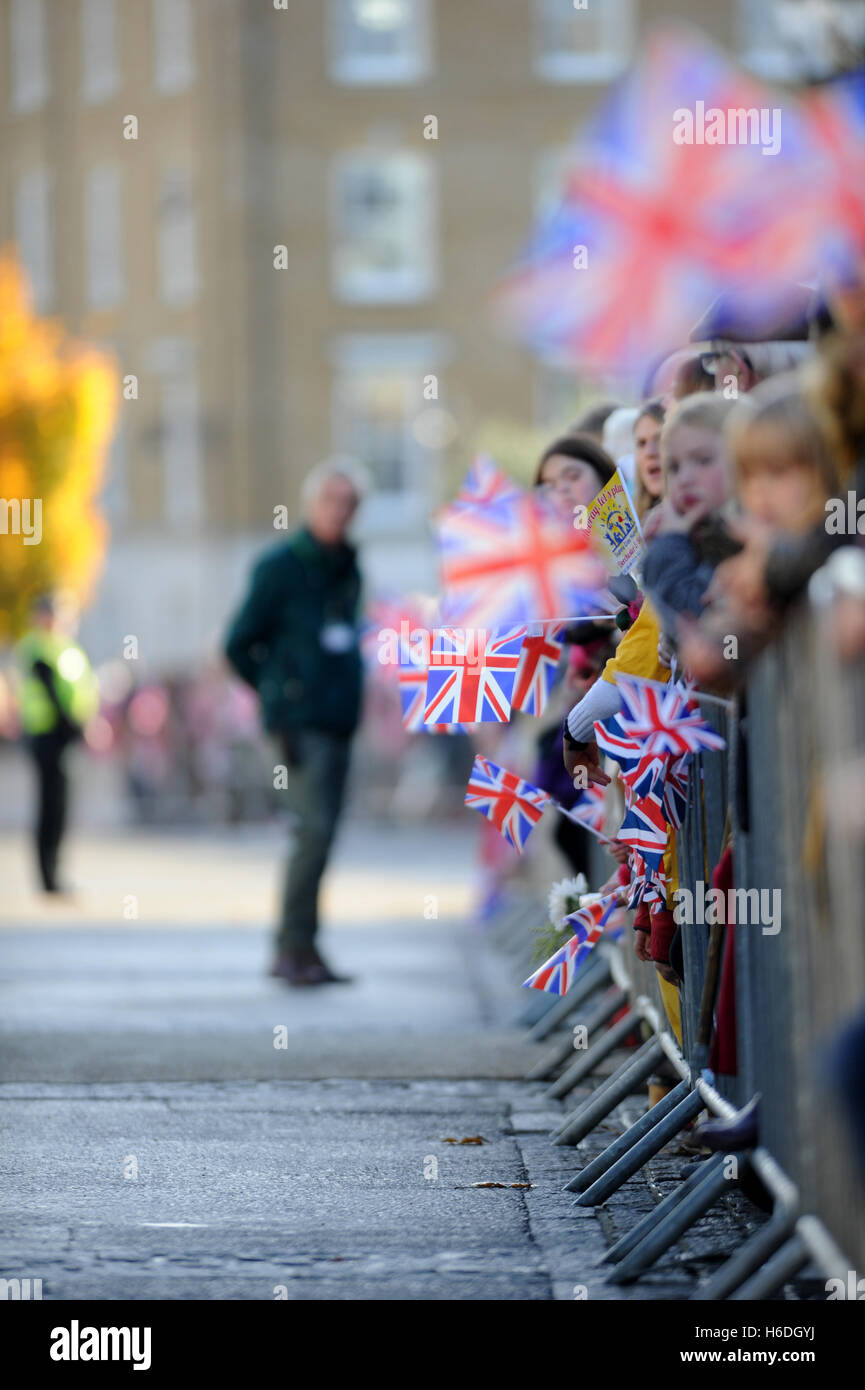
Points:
[(800, 715)]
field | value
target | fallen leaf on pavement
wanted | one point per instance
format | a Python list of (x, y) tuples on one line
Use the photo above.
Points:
[(501, 1184)]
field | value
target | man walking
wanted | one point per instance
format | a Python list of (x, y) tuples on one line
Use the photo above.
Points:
[(295, 642)]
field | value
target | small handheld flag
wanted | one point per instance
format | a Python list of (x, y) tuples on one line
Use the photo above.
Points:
[(556, 975), (513, 806)]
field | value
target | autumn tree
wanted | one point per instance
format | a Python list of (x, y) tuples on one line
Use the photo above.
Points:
[(57, 409)]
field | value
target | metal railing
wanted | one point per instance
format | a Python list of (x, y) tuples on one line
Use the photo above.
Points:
[(797, 978)]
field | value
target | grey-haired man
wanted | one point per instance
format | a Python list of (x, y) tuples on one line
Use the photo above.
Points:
[(295, 641)]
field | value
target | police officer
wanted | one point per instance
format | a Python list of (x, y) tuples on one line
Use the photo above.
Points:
[(58, 697)]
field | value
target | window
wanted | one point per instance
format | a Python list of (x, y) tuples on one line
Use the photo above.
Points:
[(379, 410), (379, 41), (582, 45), (173, 45), (100, 77), (177, 250), (103, 236), (29, 53), (33, 232), (384, 228)]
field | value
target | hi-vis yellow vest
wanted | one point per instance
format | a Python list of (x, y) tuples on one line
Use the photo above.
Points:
[(74, 681)]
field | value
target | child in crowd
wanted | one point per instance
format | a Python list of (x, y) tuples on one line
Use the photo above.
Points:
[(784, 473), (571, 472), (636, 654), (691, 536), (647, 457)]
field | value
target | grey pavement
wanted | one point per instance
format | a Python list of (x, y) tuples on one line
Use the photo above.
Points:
[(178, 1126)]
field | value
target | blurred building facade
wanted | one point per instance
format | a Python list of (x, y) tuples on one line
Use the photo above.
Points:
[(286, 219)]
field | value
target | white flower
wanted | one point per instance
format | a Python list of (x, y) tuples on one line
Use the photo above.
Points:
[(564, 897)]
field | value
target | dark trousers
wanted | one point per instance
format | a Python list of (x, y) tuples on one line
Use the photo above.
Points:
[(317, 765), (53, 795)]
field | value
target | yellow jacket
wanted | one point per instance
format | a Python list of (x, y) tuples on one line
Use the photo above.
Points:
[(637, 653)]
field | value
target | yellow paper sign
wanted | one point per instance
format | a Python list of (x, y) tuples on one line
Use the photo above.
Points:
[(614, 527)]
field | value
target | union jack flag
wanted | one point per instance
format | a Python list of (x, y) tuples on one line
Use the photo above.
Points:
[(515, 561), (590, 916), (664, 719), (412, 679), (648, 885), (556, 975), (645, 828), (612, 740), (485, 482), (679, 223), (536, 672), (412, 696), (471, 675), (676, 791), (513, 806), (648, 775), (589, 810)]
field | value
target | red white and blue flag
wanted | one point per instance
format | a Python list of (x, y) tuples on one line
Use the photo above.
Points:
[(675, 792), (513, 806), (412, 696), (676, 221), (485, 482), (663, 719), (612, 740), (515, 560), (645, 828), (589, 810), (471, 675), (536, 672), (556, 975), (648, 884)]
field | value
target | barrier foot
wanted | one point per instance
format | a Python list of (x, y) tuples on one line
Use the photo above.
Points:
[(631, 1239), (612, 1001), (793, 1256), (645, 1148), (596, 973), (585, 1065), (710, 1187), (748, 1258), (632, 1071), (586, 1176)]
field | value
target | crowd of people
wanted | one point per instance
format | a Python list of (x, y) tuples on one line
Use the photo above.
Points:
[(745, 463)]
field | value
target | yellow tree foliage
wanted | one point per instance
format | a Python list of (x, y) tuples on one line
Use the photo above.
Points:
[(58, 401)]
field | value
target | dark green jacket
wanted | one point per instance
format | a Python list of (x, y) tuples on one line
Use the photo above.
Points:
[(300, 589)]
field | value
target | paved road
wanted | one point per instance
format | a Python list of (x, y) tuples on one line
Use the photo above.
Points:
[(180, 991), (161, 1142)]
